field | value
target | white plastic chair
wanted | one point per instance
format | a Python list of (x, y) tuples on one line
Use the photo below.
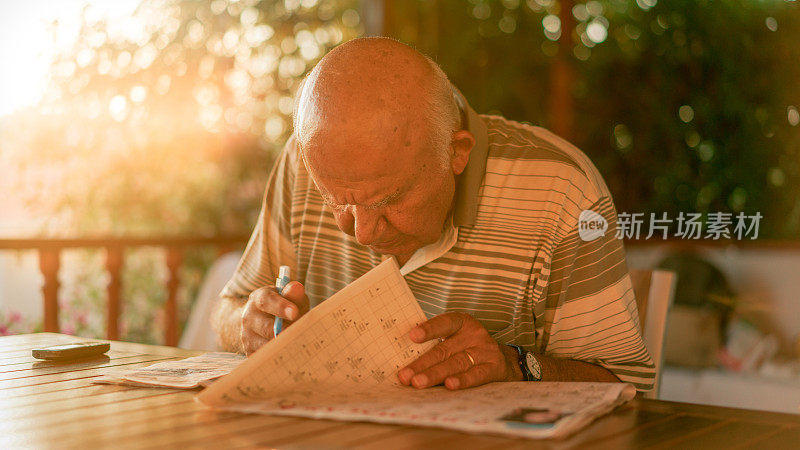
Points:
[(198, 334), (654, 291)]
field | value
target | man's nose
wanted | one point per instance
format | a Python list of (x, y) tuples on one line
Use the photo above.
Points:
[(366, 224)]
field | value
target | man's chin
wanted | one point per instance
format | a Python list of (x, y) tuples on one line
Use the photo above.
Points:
[(388, 250), (394, 250)]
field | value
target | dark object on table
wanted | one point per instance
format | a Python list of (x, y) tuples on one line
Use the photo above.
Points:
[(71, 351)]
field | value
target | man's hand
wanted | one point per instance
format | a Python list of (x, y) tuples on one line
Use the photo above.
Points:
[(466, 357), (263, 305)]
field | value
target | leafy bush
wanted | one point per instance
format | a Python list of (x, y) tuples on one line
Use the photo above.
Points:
[(683, 105)]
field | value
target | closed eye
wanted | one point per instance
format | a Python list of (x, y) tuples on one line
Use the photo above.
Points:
[(389, 200), (337, 208)]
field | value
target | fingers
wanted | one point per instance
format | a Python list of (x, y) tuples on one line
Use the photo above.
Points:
[(256, 328), (257, 321), (438, 354), (267, 300), (480, 374), (263, 305), (290, 306), (462, 332), (460, 362), (468, 356), (295, 292), (459, 371), (441, 326)]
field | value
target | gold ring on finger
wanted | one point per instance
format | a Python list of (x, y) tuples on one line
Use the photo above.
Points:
[(471, 359)]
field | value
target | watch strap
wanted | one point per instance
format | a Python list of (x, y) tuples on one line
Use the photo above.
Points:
[(523, 365)]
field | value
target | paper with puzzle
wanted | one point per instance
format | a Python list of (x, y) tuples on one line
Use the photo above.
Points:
[(339, 361)]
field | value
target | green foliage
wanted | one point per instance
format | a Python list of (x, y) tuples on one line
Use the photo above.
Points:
[(704, 92), (732, 66)]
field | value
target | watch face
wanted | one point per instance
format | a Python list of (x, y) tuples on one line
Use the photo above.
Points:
[(533, 366)]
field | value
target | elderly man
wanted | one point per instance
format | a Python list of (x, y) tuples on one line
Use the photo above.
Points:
[(482, 213)]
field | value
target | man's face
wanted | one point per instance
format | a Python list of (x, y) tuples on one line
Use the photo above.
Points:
[(392, 195)]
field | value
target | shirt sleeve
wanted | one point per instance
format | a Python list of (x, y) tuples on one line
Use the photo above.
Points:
[(270, 245), (590, 308)]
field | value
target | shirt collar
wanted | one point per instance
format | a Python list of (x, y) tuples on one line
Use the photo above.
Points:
[(433, 251), (465, 206)]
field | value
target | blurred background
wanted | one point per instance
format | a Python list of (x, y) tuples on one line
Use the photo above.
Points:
[(136, 138)]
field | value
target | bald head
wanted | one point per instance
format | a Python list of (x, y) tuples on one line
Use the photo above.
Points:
[(376, 89), (377, 126)]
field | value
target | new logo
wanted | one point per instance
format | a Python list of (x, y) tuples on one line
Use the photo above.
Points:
[(591, 225)]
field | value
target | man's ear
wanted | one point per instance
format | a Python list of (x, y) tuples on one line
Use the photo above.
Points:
[(460, 147)]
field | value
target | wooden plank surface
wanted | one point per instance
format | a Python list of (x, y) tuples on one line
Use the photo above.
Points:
[(46, 404)]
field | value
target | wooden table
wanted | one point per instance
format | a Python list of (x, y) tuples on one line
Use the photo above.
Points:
[(55, 405)]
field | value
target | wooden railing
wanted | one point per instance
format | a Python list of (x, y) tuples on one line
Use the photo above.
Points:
[(50, 261)]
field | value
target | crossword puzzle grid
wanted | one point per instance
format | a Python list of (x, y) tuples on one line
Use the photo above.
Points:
[(362, 340)]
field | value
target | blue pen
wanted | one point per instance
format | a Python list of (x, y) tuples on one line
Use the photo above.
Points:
[(280, 283)]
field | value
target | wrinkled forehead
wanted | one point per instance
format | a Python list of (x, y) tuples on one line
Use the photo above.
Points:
[(365, 146), (361, 171)]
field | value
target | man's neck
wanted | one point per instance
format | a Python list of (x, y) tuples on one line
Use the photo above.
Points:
[(446, 225), (402, 259)]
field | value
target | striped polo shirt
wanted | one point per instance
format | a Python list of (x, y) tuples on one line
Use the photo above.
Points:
[(512, 256)]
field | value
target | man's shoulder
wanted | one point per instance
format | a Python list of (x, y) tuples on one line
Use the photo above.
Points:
[(292, 151), (534, 152)]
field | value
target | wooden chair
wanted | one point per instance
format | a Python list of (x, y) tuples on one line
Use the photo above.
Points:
[(654, 291)]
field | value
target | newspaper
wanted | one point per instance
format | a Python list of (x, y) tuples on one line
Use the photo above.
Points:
[(340, 362), (184, 374)]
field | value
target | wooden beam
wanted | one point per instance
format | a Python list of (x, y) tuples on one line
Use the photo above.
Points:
[(114, 260), (101, 242), (49, 262), (174, 260), (562, 77)]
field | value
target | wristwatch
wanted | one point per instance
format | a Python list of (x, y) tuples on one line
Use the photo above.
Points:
[(528, 363)]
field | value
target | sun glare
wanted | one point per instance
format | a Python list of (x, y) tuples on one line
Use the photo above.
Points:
[(32, 32)]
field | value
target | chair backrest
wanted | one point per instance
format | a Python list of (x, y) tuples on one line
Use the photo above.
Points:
[(198, 333), (654, 291)]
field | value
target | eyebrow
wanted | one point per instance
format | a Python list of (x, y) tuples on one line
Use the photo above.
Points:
[(383, 202)]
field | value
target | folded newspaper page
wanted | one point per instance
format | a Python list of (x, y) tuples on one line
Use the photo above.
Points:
[(340, 362), (184, 373)]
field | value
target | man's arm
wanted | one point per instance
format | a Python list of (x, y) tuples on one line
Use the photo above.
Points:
[(226, 320), (560, 369), (589, 312), (270, 246)]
